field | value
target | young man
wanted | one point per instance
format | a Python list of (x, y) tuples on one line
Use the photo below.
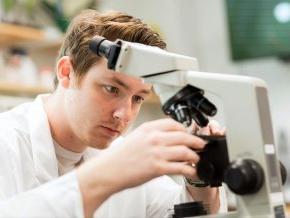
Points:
[(41, 143)]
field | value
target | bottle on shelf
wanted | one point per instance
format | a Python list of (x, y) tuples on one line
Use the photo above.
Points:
[(20, 68)]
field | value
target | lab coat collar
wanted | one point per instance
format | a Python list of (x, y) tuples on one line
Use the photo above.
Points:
[(43, 152)]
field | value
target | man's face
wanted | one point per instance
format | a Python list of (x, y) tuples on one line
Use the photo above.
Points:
[(104, 104)]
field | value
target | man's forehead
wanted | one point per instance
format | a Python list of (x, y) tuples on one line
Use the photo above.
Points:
[(127, 79), (100, 71), (113, 75), (129, 82)]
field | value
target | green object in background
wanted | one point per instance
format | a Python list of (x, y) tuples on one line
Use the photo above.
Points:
[(56, 12), (27, 5), (259, 28), (8, 4), (56, 9), (30, 5)]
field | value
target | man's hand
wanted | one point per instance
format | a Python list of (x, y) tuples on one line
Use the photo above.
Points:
[(161, 147), (207, 195)]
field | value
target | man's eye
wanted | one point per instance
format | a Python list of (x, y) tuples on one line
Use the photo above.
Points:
[(111, 89), (138, 99)]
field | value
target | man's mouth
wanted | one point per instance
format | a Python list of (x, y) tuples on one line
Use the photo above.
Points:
[(111, 131)]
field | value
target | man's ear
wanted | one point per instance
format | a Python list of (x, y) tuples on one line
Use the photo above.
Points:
[(64, 71)]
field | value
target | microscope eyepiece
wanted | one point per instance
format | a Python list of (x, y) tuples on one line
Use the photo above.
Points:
[(100, 46), (105, 48)]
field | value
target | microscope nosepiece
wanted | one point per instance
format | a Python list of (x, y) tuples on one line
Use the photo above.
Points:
[(181, 113), (200, 103)]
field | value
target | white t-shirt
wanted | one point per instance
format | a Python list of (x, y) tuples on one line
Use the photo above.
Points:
[(66, 160)]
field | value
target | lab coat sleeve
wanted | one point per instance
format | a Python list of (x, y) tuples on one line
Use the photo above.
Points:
[(58, 198)]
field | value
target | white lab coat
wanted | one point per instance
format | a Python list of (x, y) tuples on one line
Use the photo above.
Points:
[(31, 187)]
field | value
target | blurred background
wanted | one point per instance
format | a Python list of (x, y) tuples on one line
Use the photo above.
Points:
[(244, 37)]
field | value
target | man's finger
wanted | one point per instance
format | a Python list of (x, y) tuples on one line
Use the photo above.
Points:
[(177, 168), (204, 131), (180, 138), (215, 128), (193, 128), (180, 153), (166, 124)]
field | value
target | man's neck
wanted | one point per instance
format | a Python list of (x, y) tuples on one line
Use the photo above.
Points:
[(59, 125)]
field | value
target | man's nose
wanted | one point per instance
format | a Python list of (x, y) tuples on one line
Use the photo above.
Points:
[(123, 112)]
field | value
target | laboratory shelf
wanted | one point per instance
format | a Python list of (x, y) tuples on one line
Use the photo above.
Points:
[(19, 89), (29, 37)]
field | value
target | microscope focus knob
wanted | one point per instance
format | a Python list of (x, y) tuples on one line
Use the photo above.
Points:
[(244, 176)]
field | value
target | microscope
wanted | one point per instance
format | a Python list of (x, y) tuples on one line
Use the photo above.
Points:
[(246, 159)]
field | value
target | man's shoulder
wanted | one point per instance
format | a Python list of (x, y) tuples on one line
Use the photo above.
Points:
[(14, 146), (16, 118), (14, 127), (12, 135)]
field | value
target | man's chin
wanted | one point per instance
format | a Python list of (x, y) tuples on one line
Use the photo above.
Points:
[(101, 147), (101, 144)]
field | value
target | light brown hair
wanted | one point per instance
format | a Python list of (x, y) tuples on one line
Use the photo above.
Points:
[(111, 25)]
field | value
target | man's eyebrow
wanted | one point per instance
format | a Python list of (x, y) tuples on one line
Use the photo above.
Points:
[(121, 83)]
